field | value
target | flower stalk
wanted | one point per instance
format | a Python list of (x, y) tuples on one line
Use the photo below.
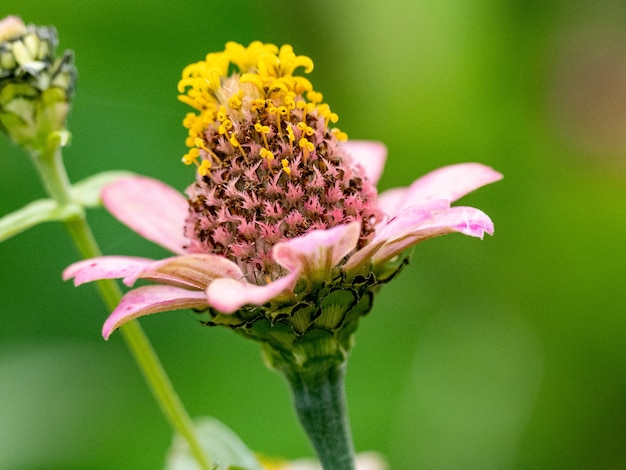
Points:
[(56, 182), (36, 88), (320, 402)]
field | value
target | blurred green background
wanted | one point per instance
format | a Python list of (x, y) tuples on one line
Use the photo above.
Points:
[(504, 354)]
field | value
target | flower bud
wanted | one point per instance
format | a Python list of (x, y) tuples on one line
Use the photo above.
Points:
[(36, 87)]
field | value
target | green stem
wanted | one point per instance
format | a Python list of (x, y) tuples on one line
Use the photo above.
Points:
[(54, 176), (320, 402)]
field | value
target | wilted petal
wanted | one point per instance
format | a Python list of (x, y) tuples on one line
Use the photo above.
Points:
[(105, 267), (317, 252), (152, 299), (195, 271), (229, 295), (151, 208), (370, 155), (465, 220)]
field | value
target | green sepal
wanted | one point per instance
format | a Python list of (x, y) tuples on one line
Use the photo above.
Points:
[(224, 448), (334, 308), (87, 192)]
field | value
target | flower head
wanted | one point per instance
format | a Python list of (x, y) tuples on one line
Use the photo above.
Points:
[(35, 86), (270, 168), (282, 235)]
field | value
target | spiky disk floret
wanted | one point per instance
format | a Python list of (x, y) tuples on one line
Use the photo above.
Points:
[(269, 166)]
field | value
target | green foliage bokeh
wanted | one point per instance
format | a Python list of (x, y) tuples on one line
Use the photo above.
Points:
[(507, 353)]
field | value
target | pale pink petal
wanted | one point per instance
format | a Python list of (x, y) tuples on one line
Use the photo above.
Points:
[(152, 299), (316, 253), (390, 200), (370, 155), (409, 219), (465, 220), (449, 182), (105, 267), (151, 208), (229, 295), (405, 222), (195, 271)]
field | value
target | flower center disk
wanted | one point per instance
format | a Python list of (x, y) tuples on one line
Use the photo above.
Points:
[(269, 166)]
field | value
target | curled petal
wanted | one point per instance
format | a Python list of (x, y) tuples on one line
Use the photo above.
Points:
[(151, 299), (449, 182), (191, 271), (370, 155), (105, 267), (317, 252), (409, 219), (465, 220), (405, 222), (229, 295), (151, 208)]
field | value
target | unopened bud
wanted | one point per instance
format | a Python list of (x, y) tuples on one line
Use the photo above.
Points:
[(36, 87)]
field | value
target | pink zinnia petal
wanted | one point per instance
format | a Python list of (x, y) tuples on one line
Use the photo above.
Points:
[(317, 252), (409, 219), (151, 208), (465, 220), (105, 267), (151, 299), (195, 271), (403, 223), (229, 295), (449, 182), (370, 155), (389, 201)]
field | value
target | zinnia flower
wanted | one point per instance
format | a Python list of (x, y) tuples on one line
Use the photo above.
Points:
[(282, 236), (283, 228)]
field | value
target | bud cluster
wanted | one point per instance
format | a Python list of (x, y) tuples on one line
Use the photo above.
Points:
[(35, 86)]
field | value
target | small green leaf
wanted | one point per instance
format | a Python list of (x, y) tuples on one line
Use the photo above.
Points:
[(223, 447), (42, 210), (87, 191)]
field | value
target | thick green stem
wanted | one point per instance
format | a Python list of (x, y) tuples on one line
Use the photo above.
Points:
[(320, 402), (57, 184)]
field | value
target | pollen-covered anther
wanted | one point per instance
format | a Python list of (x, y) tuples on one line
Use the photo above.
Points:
[(235, 143), (234, 102), (266, 154), (225, 126), (204, 168), (307, 147), (191, 156), (285, 163), (263, 130), (306, 130), (314, 96), (339, 135)]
